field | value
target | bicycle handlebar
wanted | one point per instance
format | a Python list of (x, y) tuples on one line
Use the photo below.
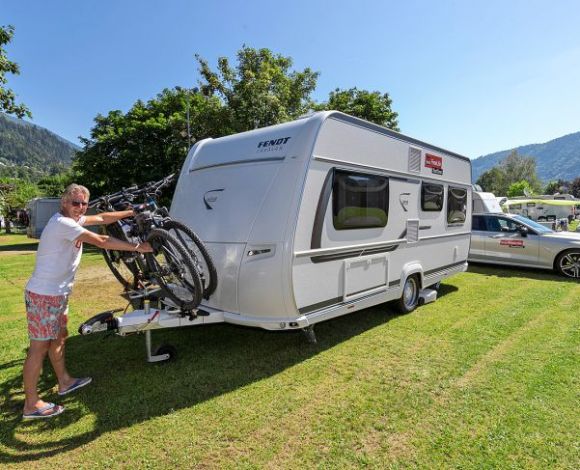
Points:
[(130, 193)]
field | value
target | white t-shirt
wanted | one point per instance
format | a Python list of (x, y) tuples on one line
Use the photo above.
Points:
[(58, 256)]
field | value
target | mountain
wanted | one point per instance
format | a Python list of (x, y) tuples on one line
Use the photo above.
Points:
[(26, 146), (556, 159)]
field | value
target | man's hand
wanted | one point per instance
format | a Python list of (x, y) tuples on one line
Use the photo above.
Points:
[(144, 247)]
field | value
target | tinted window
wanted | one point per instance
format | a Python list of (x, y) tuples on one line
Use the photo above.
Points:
[(533, 225), (359, 200), (500, 224), (477, 223), (431, 197), (456, 205)]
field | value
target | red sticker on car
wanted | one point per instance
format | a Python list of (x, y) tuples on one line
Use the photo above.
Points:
[(512, 243), (435, 163)]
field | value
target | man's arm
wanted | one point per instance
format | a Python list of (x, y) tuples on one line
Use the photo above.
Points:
[(111, 243), (107, 218)]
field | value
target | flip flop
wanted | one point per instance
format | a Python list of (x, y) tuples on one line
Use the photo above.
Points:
[(78, 383), (39, 413)]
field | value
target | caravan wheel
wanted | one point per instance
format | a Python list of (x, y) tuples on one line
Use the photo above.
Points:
[(410, 295)]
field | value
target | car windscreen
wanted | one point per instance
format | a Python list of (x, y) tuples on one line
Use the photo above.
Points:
[(534, 225)]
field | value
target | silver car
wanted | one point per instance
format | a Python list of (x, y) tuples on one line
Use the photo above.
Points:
[(517, 241)]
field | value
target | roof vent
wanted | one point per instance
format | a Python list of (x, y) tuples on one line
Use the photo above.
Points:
[(414, 159)]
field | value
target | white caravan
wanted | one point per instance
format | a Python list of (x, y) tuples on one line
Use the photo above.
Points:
[(40, 211), (323, 216), (542, 208), (485, 203)]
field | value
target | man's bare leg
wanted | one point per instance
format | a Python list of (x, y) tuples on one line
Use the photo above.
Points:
[(56, 356), (32, 368)]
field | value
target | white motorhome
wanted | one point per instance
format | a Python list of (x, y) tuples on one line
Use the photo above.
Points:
[(40, 211), (323, 216)]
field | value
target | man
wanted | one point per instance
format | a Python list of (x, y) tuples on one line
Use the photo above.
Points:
[(47, 292)]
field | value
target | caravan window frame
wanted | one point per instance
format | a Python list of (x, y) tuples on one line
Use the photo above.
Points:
[(423, 202), (344, 222), (450, 209)]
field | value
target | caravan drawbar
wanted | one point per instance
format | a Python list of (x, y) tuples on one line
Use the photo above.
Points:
[(322, 216)]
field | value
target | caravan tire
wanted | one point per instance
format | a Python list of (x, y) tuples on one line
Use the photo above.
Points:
[(410, 295)]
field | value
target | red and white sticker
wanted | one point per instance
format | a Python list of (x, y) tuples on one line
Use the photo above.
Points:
[(435, 163), (512, 243)]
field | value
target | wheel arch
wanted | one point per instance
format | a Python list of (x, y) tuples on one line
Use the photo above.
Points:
[(561, 253), (410, 269)]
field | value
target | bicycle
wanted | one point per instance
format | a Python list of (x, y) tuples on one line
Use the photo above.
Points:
[(180, 263)]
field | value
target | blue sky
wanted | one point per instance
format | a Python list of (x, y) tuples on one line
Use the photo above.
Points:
[(471, 76)]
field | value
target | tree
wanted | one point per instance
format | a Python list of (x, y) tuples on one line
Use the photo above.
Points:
[(260, 91), (520, 188), (552, 187), (513, 169), (7, 97), (561, 186), (54, 185), (575, 187), (520, 168), (146, 143), (14, 195), (372, 106), (493, 181)]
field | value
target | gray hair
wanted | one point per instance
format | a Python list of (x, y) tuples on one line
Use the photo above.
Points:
[(73, 189)]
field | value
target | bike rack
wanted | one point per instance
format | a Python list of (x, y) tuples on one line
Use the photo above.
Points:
[(151, 312)]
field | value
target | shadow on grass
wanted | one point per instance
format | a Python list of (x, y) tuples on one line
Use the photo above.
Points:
[(512, 271), (20, 247), (211, 361)]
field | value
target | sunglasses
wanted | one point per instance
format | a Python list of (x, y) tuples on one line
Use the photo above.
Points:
[(79, 203)]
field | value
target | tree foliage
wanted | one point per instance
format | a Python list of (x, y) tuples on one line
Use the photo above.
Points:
[(260, 90), (146, 143), (513, 169), (372, 106), (519, 188), (15, 193), (54, 185), (560, 186), (493, 181), (7, 98), (575, 187)]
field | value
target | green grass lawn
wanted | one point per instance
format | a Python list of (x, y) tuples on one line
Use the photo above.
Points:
[(486, 377)]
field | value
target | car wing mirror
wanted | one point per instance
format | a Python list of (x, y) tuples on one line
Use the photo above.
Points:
[(523, 231)]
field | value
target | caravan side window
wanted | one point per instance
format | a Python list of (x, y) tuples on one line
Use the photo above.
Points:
[(431, 197), (456, 205), (359, 200)]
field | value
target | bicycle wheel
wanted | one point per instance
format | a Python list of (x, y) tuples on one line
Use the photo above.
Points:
[(173, 268), (201, 257), (122, 264), (126, 272)]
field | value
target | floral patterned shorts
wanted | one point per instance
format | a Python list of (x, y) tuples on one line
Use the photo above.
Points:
[(47, 315)]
